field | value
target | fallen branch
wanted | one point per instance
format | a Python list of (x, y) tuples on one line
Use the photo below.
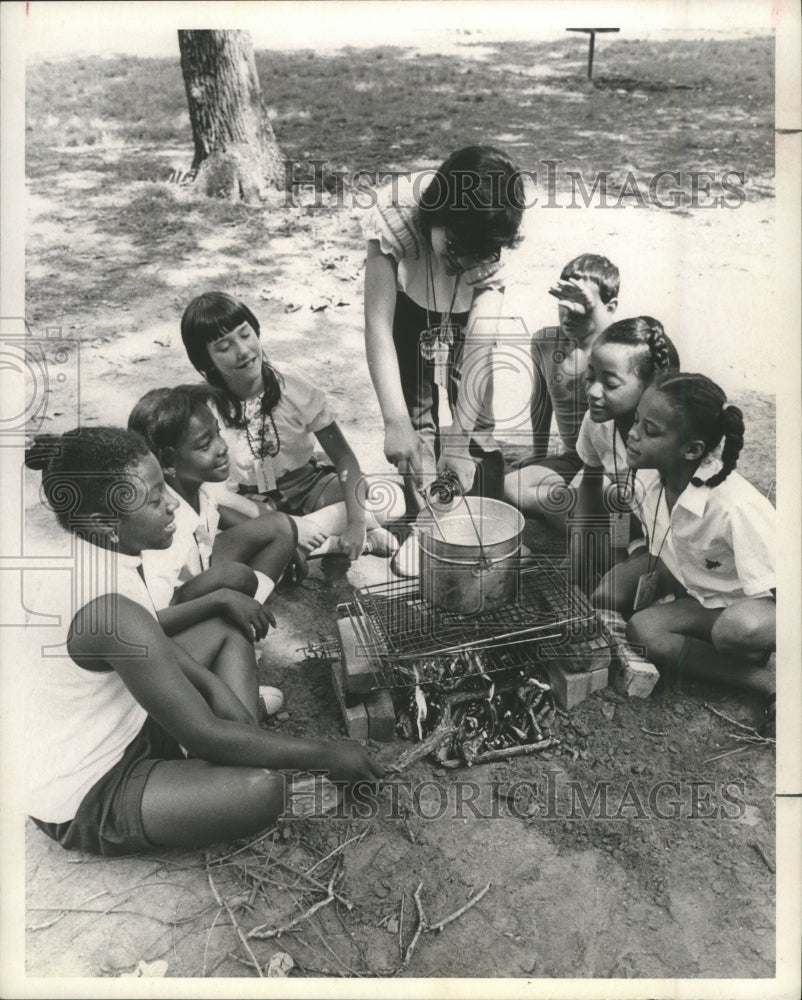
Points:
[(458, 913), (264, 935), (243, 940)]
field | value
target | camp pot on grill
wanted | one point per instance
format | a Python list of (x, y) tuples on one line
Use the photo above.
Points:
[(470, 555)]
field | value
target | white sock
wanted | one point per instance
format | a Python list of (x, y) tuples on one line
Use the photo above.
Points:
[(265, 587)]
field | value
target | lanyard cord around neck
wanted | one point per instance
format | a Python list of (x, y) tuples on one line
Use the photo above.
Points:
[(651, 565), (628, 493), (445, 320)]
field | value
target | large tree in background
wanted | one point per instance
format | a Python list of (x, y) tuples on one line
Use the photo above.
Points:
[(236, 154)]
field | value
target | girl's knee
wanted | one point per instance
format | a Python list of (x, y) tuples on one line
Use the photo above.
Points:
[(643, 629), (265, 790), (745, 630)]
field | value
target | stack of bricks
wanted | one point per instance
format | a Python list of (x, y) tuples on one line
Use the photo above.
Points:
[(367, 710), (631, 674)]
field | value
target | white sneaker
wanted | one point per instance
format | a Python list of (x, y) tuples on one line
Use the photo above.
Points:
[(273, 699), (406, 561), (380, 542)]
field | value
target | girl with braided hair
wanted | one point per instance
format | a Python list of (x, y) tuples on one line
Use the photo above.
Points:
[(624, 360), (719, 541)]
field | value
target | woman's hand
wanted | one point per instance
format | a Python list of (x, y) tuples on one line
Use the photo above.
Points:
[(463, 467), (402, 447), (252, 618), (352, 540), (347, 761)]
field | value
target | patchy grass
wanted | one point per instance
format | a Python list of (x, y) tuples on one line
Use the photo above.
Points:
[(652, 105)]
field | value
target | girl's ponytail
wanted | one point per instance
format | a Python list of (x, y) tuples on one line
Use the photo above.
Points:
[(703, 409), (732, 422), (39, 452)]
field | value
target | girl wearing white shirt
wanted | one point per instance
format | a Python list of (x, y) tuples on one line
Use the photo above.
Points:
[(624, 360), (720, 534)]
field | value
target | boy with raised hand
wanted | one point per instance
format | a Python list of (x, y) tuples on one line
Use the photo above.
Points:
[(587, 292)]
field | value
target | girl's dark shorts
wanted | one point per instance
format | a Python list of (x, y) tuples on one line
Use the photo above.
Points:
[(109, 819)]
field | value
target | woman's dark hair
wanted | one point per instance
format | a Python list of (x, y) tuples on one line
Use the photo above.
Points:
[(85, 472), (207, 318), (478, 196), (706, 417), (593, 267), (658, 355), (162, 416)]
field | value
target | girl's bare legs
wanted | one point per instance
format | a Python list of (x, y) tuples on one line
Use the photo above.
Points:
[(332, 517), (618, 587), (223, 649), (192, 803), (537, 491), (679, 637), (264, 543)]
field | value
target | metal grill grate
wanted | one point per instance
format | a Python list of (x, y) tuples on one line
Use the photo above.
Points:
[(402, 634)]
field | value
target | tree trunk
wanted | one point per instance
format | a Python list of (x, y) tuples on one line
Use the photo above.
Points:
[(236, 154)]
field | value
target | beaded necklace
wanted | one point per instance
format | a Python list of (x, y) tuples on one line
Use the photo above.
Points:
[(269, 442)]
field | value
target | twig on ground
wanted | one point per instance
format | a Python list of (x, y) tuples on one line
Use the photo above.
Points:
[(245, 847), (264, 935), (458, 913), (651, 732), (242, 939), (337, 849), (64, 911), (734, 722), (208, 939), (728, 753), (418, 931), (313, 881), (766, 860), (401, 930)]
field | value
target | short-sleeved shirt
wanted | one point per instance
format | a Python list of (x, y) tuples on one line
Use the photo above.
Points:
[(395, 222), (721, 542), (557, 389), (602, 446), (191, 551), (302, 411)]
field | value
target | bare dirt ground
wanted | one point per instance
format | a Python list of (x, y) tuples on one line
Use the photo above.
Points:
[(114, 254)]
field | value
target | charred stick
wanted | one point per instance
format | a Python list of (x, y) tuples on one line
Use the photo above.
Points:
[(490, 756), (437, 738)]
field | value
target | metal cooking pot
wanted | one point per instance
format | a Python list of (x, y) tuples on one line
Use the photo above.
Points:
[(470, 555)]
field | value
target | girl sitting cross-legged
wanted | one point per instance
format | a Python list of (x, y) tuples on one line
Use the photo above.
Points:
[(113, 709)]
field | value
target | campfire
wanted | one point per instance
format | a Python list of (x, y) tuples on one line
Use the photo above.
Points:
[(474, 688)]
